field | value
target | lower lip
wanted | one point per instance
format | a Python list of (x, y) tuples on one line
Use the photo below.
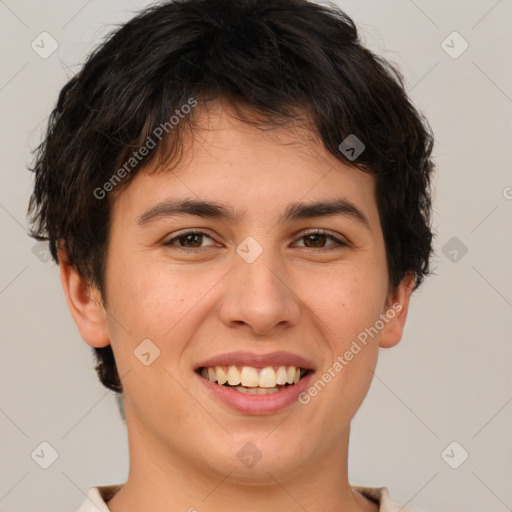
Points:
[(257, 404)]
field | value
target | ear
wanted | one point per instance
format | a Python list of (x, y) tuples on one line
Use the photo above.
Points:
[(84, 302), (396, 312)]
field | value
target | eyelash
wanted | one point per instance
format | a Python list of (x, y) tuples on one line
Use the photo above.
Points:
[(339, 242)]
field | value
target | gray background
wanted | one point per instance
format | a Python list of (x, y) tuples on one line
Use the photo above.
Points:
[(448, 380)]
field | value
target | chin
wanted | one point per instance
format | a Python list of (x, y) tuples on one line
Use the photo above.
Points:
[(259, 460)]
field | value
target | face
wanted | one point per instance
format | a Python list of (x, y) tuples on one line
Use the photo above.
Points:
[(269, 290)]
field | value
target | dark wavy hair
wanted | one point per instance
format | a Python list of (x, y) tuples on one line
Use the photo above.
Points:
[(273, 58)]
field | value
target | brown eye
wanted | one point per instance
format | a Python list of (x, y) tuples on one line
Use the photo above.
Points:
[(188, 239), (318, 240), (194, 239)]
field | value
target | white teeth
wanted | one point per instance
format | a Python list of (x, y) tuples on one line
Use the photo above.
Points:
[(257, 391), (281, 375), (212, 374), (249, 377), (233, 376), (222, 378), (253, 378), (267, 378)]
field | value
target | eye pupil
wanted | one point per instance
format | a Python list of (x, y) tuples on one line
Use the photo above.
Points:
[(316, 236), (189, 239)]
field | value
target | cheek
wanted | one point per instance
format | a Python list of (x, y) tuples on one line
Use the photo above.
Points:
[(149, 297), (148, 302), (344, 302), (346, 305), (159, 302)]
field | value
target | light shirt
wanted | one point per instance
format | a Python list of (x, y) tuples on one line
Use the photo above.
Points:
[(98, 496)]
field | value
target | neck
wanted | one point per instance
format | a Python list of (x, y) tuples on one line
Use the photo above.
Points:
[(162, 481)]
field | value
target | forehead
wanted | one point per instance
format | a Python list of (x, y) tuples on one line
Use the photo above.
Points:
[(251, 169), (223, 135)]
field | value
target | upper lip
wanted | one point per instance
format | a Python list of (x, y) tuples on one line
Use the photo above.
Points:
[(257, 360)]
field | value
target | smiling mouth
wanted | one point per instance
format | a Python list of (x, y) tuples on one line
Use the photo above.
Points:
[(254, 381)]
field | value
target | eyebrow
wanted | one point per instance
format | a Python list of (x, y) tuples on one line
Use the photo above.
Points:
[(213, 210)]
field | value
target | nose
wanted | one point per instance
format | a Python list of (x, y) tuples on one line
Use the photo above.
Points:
[(259, 298)]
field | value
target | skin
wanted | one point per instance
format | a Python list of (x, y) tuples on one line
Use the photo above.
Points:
[(193, 305)]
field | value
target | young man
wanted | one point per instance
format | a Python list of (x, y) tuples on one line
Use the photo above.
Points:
[(237, 193)]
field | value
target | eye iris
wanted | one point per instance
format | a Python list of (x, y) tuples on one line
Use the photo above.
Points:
[(316, 236), (190, 237)]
